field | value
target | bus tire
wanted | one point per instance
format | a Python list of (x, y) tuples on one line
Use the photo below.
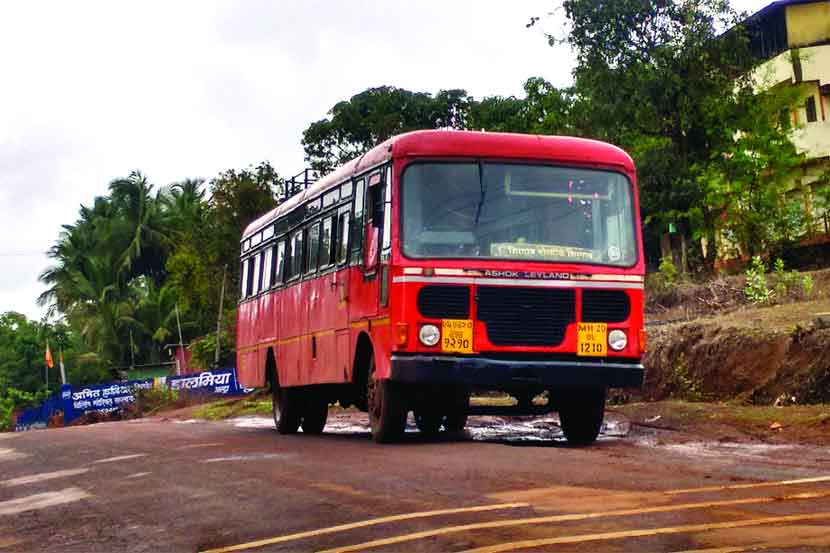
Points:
[(286, 409), (315, 415), (387, 408), (581, 413), (456, 418)]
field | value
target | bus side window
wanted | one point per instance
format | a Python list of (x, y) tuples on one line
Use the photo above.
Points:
[(326, 242), (268, 268), (356, 229), (343, 237), (279, 264), (295, 257), (257, 259), (244, 280), (313, 256)]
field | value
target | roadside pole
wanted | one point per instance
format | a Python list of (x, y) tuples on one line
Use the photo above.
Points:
[(181, 342), (219, 317)]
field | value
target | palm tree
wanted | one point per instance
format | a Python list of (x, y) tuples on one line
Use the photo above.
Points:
[(143, 223)]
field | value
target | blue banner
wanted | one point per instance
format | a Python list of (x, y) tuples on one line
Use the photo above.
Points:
[(218, 381), (37, 417), (75, 402), (101, 398)]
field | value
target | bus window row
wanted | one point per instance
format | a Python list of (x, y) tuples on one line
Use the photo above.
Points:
[(320, 245)]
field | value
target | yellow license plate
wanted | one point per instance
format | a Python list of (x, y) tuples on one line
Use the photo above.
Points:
[(592, 339), (457, 335)]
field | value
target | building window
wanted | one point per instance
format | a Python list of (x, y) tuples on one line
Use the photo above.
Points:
[(812, 116)]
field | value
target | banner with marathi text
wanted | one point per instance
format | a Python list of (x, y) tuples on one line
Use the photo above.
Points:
[(76, 401)]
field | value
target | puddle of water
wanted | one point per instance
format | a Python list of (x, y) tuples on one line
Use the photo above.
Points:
[(711, 449), (485, 428)]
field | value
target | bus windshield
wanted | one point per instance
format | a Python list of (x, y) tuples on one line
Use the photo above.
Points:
[(517, 212)]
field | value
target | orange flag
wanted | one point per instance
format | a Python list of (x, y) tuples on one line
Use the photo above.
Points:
[(49, 361)]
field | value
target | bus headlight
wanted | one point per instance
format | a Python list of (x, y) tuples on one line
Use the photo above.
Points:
[(617, 340), (429, 335)]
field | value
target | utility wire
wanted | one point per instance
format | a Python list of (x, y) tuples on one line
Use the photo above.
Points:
[(23, 254)]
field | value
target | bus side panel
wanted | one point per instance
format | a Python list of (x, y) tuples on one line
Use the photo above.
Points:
[(246, 344), (322, 314), (292, 328), (266, 333)]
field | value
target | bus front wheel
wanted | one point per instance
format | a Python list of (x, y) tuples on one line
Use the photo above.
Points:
[(387, 408), (581, 413), (286, 407)]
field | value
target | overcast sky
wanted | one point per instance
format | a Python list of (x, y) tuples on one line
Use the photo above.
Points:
[(93, 90)]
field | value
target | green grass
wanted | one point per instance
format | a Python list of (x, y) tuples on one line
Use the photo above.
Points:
[(225, 409), (741, 416)]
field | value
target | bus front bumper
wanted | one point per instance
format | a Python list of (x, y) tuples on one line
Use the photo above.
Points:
[(500, 373)]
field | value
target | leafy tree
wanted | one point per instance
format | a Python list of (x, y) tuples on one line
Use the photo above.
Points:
[(356, 125), (745, 182), (659, 78), (238, 197), (22, 352), (370, 117)]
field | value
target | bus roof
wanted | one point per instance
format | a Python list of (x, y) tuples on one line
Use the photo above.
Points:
[(461, 144)]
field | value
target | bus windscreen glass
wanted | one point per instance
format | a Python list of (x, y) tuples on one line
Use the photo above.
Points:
[(517, 212)]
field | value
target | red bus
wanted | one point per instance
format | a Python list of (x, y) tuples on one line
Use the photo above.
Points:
[(441, 262)]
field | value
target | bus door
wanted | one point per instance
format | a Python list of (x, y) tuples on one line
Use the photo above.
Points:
[(339, 288), (363, 291)]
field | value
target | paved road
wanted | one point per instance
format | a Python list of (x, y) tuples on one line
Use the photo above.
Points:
[(159, 485)]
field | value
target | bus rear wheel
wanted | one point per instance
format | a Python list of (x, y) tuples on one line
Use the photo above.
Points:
[(581, 413), (387, 408), (315, 414), (286, 409)]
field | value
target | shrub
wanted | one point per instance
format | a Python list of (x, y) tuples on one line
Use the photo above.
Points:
[(756, 289), (668, 271), (11, 400)]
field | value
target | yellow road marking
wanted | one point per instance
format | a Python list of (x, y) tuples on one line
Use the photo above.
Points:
[(751, 485), (646, 532), (566, 518), (364, 523), (737, 549)]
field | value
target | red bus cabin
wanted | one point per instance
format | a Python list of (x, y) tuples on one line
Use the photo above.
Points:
[(442, 262)]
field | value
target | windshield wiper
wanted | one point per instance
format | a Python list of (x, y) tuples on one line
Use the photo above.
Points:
[(481, 189)]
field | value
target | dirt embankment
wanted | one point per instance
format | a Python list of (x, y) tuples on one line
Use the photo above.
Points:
[(768, 356)]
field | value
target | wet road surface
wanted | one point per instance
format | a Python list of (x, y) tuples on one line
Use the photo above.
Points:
[(509, 484)]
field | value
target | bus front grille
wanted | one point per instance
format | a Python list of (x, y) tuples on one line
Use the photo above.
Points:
[(605, 306), (526, 316), (444, 302)]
